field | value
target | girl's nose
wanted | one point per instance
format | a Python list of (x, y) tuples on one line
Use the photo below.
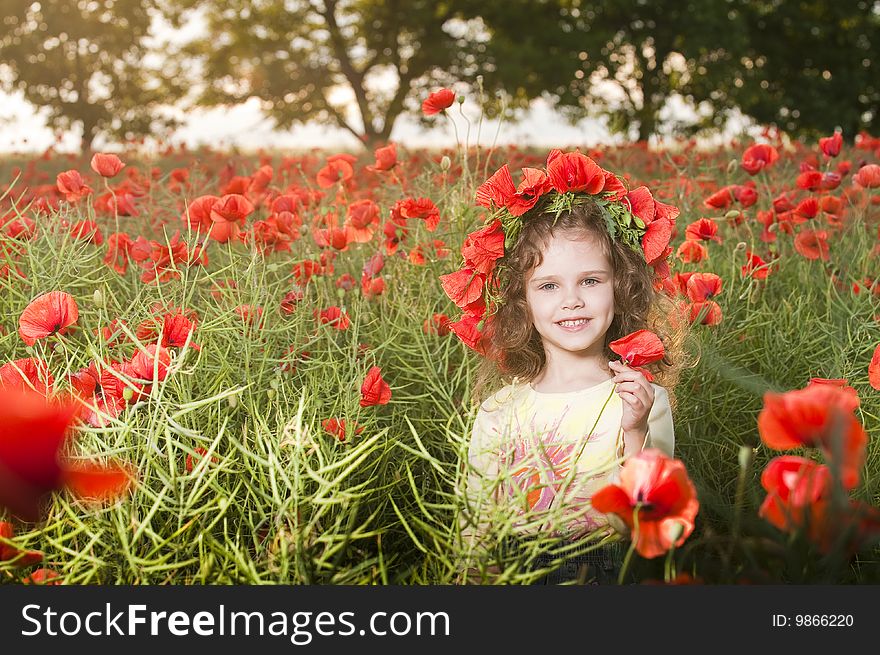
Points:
[(572, 301)]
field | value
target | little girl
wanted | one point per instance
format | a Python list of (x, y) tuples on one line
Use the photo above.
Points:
[(569, 262)]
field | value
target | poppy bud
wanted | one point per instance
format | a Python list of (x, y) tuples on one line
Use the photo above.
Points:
[(733, 213), (674, 530), (461, 100), (304, 229), (742, 245), (340, 293), (232, 400), (128, 393), (746, 455), (222, 503), (98, 298), (274, 383), (445, 163), (732, 166), (271, 394)]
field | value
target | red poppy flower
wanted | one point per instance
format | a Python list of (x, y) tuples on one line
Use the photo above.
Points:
[(106, 165), (33, 431), (793, 485), (498, 190), (150, 363), (721, 199), (807, 208), (386, 158), (337, 427), (422, 208), (374, 390), (830, 145), (337, 170), (463, 287), (28, 373), (437, 102), (335, 317), (438, 324), (42, 576), (707, 312), (372, 287), (868, 176), (703, 286), (818, 416), (840, 383), (692, 252), (193, 460), (809, 180), (812, 244), (639, 348), (755, 266), (573, 171), (757, 157), (72, 185), (48, 314), (745, 195), (483, 247), (704, 229), (534, 184), (467, 331), (664, 495), (874, 369)]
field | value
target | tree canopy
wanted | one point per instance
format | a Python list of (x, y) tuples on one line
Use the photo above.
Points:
[(84, 63), (805, 65)]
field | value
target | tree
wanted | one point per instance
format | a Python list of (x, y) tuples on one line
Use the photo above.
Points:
[(296, 57), (84, 62), (809, 66)]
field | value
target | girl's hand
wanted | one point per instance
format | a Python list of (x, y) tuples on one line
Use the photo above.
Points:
[(638, 398)]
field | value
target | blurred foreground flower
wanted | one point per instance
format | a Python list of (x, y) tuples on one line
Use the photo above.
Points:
[(33, 433), (657, 491)]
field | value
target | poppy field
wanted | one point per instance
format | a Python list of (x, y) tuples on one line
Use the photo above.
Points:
[(258, 361)]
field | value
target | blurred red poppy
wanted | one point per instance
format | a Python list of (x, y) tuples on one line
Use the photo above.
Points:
[(33, 433), (48, 314), (106, 165), (830, 145), (71, 184), (793, 484), (664, 495), (386, 158), (812, 244), (758, 157), (818, 416), (868, 176), (874, 369)]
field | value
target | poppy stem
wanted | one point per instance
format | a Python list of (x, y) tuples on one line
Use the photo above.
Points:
[(632, 546)]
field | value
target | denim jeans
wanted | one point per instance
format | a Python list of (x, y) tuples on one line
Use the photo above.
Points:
[(599, 566)]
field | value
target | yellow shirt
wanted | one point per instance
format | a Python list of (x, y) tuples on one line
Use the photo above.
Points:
[(543, 455)]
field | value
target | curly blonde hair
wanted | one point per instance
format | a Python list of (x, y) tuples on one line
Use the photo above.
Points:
[(513, 345)]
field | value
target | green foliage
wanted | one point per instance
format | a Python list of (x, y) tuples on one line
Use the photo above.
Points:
[(84, 63)]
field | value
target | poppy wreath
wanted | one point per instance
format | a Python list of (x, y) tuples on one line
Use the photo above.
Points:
[(569, 179)]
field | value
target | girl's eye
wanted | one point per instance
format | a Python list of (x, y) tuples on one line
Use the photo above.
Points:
[(589, 279), (543, 287)]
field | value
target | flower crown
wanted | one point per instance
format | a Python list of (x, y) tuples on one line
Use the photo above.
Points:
[(633, 217)]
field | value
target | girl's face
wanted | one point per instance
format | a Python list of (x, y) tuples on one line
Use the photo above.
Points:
[(571, 296)]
